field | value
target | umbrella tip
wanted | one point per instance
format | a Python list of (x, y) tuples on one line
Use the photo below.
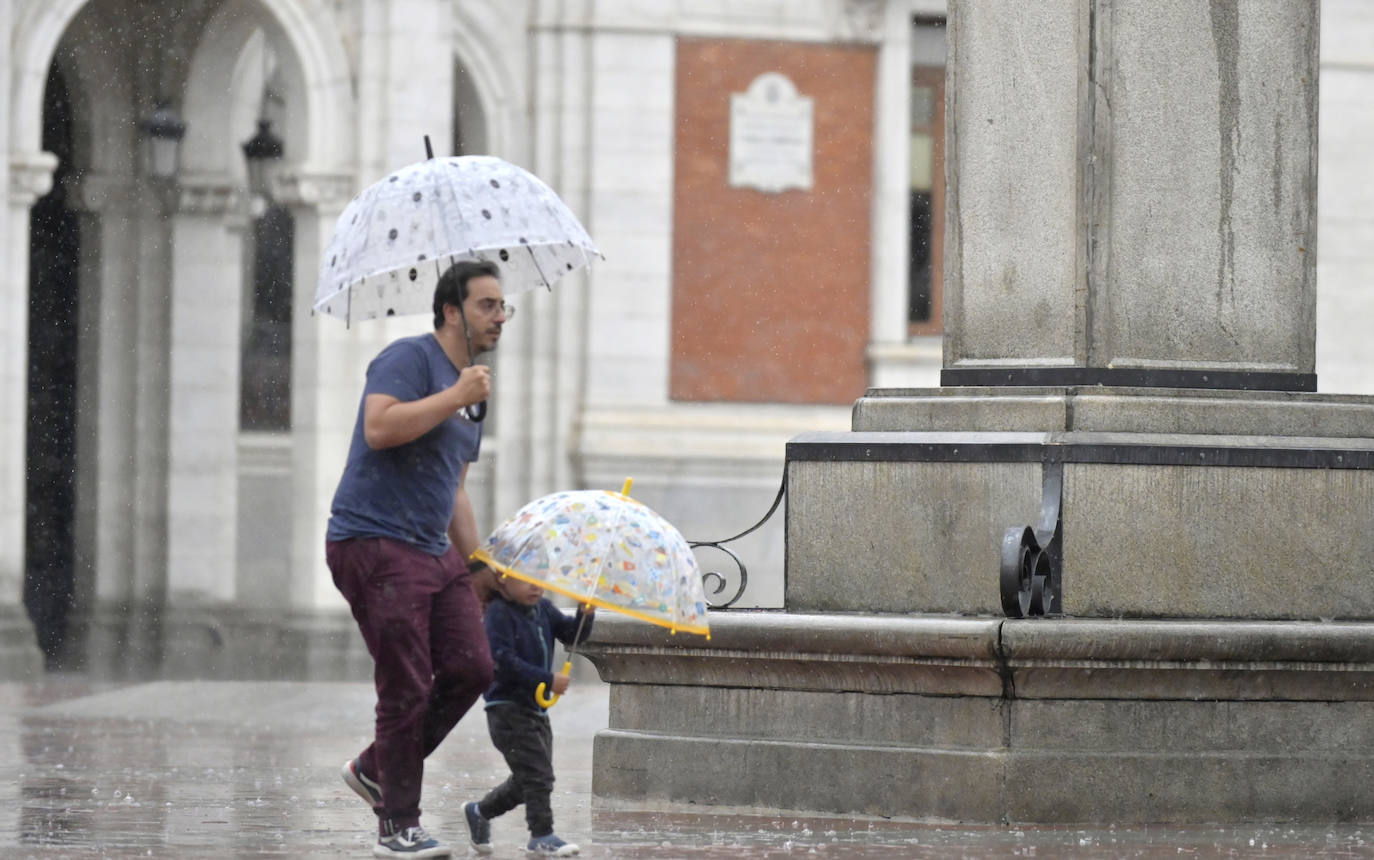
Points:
[(625, 490), (429, 150)]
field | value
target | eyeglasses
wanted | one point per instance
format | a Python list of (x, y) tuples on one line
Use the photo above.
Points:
[(492, 307)]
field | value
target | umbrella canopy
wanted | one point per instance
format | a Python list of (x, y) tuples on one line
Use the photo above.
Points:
[(397, 237), (605, 549)]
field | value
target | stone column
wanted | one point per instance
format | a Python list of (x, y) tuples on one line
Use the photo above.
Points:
[(1132, 194), (328, 361), (203, 421), (122, 433), (550, 335), (30, 177), (107, 426), (891, 191)]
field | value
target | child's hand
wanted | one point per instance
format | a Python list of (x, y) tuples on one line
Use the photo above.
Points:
[(560, 684)]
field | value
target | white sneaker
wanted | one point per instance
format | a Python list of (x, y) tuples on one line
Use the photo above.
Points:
[(410, 842), (551, 846)]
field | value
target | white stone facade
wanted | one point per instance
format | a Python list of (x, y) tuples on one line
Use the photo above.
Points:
[(185, 524)]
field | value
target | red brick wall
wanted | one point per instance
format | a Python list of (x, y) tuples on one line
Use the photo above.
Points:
[(770, 291)]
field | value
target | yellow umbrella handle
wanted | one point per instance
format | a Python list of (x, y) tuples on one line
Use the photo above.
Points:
[(546, 701)]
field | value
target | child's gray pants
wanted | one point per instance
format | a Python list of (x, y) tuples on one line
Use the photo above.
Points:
[(525, 738)]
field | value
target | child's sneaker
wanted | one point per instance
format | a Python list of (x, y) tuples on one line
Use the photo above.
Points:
[(551, 846), (479, 828), (410, 842), (355, 779)]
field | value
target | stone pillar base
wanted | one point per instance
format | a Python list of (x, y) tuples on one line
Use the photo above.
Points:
[(1173, 503), (993, 721), (20, 658), (225, 643)]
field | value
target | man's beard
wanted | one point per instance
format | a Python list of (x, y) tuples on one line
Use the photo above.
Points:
[(475, 349)]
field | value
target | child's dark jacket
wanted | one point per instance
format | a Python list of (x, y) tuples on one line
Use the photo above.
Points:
[(521, 640)]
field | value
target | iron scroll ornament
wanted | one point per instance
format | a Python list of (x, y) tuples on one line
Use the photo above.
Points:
[(1033, 558), (714, 578)]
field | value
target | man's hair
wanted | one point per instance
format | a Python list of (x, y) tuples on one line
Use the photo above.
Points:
[(452, 288)]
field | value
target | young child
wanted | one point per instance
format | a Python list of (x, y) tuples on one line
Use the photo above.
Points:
[(521, 628)]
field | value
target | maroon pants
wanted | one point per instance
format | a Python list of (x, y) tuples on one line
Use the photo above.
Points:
[(423, 627)]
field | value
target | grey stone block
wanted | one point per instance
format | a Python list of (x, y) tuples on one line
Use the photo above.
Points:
[(843, 778), (832, 717), (1196, 541), (1116, 410), (1208, 257), (1013, 259), (1094, 721), (1086, 658), (1188, 788), (1154, 525), (881, 537), (1131, 185), (808, 652)]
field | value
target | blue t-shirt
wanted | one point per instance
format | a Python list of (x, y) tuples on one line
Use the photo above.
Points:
[(405, 492)]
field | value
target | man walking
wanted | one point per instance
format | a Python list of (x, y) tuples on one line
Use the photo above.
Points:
[(400, 531)]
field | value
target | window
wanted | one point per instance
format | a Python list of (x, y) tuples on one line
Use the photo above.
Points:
[(927, 193), (265, 401)]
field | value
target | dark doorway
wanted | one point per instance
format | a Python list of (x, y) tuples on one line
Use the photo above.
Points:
[(49, 576)]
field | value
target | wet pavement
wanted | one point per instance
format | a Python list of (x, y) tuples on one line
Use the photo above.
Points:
[(216, 771)]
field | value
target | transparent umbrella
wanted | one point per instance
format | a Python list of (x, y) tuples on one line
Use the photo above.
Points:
[(397, 237), (605, 549)]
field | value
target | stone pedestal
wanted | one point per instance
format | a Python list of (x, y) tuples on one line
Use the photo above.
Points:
[(997, 721), (1127, 442), (1172, 503)]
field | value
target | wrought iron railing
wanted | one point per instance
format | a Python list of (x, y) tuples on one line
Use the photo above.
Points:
[(715, 581), (1033, 558)]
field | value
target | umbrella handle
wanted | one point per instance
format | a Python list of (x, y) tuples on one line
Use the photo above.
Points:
[(477, 411), (539, 692)]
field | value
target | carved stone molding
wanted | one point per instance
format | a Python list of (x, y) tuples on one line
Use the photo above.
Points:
[(99, 193), (30, 176), (208, 195), (862, 20), (326, 191)]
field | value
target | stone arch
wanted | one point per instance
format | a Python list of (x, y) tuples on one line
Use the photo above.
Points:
[(303, 25), (316, 73), (36, 35), (494, 82), (222, 88)]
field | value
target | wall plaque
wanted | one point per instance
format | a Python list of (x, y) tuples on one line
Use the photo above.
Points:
[(770, 135)]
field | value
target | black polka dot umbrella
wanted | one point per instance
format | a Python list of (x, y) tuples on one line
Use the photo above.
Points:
[(395, 239)]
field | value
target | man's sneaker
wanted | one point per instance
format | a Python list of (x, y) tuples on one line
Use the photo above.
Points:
[(355, 779), (410, 842), (551, 846), (479, 829)]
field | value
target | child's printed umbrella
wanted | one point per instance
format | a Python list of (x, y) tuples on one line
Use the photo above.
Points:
[(605, 549)]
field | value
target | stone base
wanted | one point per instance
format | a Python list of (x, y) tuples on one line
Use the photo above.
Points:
[(1190, 504), (993, 721), (20, 657), (224, 644)]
